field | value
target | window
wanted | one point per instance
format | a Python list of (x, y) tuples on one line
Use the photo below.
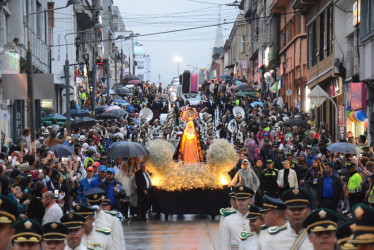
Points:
[(140, 65), (329, 30), (321, 36), (312, 45), (39, 19)]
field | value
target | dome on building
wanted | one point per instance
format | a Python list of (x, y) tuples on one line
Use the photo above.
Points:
[(138, 50)]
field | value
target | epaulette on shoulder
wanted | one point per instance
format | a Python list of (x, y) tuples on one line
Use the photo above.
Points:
[(222, 211), (263, 227), (245, 235), (104, 230), (229, 213), (114, 213), (276, 229)]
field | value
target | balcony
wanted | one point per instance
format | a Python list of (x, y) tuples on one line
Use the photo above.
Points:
[(302, 5)]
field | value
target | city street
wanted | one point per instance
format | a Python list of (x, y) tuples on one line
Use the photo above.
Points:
[(179, 232)]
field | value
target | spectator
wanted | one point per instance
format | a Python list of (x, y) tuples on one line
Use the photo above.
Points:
[(246, 177), (35, 209), (287, 177), (101, 177), (85, 184), (53, 211), (111, 187), (126, 178), (311, 179), (143, 183)]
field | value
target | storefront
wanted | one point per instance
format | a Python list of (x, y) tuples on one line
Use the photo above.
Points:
[(356, 115)]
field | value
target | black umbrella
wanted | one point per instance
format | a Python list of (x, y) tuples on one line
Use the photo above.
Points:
[(83, 122), (124, 91), (119, 112), (296, 122), (244, 88), (78, 113), (126, 149), (130, 77), (62, 150), (100, 108), (107, 115)]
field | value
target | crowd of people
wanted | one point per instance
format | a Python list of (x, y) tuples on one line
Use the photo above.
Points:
[(285, 174)]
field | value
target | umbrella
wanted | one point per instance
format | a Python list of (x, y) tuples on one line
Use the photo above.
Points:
[(100, 108), (112, 107), (117, 112), (55, 116), (244, 88), (124, 91), (239, 83), (344, 148), (79, 113), (111, 92), (130, 77), (242, 93), (107, 115), (126, 149), (62, 150), (120, 101), (254, 104), (136, 81), (82, 122), (226, 77), (296, 121)]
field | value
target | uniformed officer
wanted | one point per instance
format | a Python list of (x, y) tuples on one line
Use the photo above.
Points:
[(237, 222), (269, 184), (354, 184), (343, 234), (95, 237), (321, 225), (75, 224), (54, 236), (106, 207), (250, 239), (276, 235), (298, 208), (27, 234), (363, 229), (8, 215), (230, 210), (95, 196), (293, 163)]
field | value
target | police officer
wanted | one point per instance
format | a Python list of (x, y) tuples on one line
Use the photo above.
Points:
[(298, 208), (343, 234), (236, 223), (354, 184), (75, 224), (269, 184), (363, 230), (293, 163), (230, 210), (95, 196), (9, 214), (250, 239), (95, 237), (321, 225), (54, 236), (27, 234), (278, 235)]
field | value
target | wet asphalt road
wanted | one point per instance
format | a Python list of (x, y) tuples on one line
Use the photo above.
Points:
[(178, 232)]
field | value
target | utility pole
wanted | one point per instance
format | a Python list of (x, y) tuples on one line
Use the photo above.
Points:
[(121, 65), (115, 69), (107, 80), (30, 94), (67, 92), (93, 79)]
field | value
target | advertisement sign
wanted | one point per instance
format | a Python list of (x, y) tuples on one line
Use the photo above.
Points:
[(358, 96), (340, 119)]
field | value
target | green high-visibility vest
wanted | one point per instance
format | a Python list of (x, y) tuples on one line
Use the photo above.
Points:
[(354, 184)]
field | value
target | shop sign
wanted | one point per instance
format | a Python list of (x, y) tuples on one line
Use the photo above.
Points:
[(335, 87), (288, 92), (340, 112), (342, 132), (243, 64), (358, 96)]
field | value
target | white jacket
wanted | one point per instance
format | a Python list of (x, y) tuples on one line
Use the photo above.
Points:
[(292, 179)]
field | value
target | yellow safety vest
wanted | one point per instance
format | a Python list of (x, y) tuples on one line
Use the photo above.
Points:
[(354, 184)]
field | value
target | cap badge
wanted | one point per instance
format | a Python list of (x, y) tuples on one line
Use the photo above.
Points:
[(78, 207), (322, 214), (95, 196), (359, 212), (296, 191), (1, 202), (241, 189), (54, 225), (28, 225), (71, 216)]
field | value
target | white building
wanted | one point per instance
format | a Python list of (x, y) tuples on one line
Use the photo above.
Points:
[(142, 63)]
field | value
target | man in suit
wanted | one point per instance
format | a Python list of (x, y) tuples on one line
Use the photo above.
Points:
[(211, 105), (143, 183), (164, 105)]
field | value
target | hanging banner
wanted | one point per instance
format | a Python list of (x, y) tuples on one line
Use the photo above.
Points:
[(358, 96)]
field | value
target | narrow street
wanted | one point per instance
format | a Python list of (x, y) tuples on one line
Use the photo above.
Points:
[(179, 232)]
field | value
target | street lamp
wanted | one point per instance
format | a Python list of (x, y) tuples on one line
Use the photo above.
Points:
[(30, 87), (120, 37), (177, 59)]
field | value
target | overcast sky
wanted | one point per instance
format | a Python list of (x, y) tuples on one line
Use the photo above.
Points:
[(193, 46)]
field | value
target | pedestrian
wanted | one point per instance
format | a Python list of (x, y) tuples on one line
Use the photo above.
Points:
[(246, 177), (287, 177), (329, 189), (311, 178), (143, 184), (126, 178), (53, 211)]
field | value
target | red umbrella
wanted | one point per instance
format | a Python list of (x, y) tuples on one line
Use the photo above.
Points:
[(135, 82)]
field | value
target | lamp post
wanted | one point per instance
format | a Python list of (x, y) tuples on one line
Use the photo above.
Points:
[(177, 59), (115, 67), (30, 85)]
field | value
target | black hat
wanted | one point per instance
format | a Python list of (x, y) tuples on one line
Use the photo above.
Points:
[(254, 212), (350, 165), (95, 196), (269, 162), (73, 220), (106, 201), (54, 231), (294, 198), (320, 220), (8, 210), (363, 229), (289, 154), (276, 144), (272, 203), (243, 192), (343, 234), (84, 211), (232, 193), (27, 231)]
